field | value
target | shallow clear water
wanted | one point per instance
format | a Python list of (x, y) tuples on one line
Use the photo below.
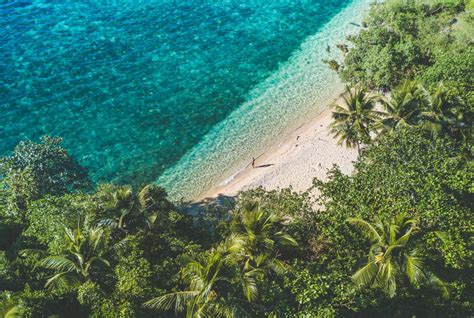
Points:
[(137, 87), (301, 87)]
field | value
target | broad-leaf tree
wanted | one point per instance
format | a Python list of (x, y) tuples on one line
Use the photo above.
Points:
[(36, 169)]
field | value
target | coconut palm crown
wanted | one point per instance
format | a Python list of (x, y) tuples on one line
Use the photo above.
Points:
[(129, 212), (85, 255), (205, 296), (403, 108), (391, 257), (354, 121)]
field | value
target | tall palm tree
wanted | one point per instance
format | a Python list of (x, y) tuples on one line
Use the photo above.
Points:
[(403, 108), (391, 257), (258, 232), (83, 257), (442, 112), (231, 269), (205, 296), (130, 212), (437, 112), (257, 238), (356, 119)]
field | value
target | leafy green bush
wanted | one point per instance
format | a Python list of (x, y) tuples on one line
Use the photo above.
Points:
[(403, 39), (36, 169)]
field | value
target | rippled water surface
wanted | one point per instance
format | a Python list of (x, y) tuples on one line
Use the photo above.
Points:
[(132, 86)]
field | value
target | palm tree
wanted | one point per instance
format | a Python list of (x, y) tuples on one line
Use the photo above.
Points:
[(403, 108), (205, 296), (258, 238), (131, 212), (391, 257), (436, 113), (442, 113), (83, 257), (231, 269), (353, 122)]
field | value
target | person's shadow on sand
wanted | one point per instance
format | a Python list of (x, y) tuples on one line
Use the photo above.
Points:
[(265, 165)]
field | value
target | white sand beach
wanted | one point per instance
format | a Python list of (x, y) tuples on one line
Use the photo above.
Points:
[(302, 85), (307, 152)]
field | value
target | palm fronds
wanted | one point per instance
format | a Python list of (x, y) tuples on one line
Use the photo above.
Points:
[(389, 256), (356, 119), (176, 301), (366, 228), (84, 254)]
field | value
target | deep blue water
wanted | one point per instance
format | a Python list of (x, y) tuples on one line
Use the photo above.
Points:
[(132, 85)]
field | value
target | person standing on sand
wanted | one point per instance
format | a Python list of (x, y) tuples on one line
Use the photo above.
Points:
[(253, 162)]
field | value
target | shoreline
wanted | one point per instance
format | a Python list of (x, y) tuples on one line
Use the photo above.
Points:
[(302, 86), (305, 152)]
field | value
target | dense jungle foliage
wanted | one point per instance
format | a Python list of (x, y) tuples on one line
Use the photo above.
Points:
[(394, 239)]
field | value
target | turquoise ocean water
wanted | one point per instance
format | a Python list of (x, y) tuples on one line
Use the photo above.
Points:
[(156, 90)]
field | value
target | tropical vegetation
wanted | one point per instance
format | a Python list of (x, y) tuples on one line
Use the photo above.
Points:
[(393, 239)]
